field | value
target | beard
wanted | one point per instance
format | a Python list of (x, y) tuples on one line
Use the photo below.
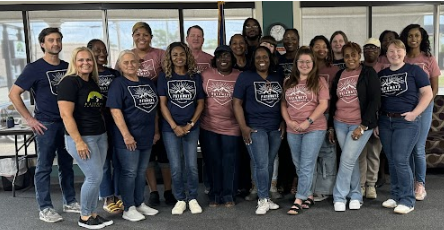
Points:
[(253, 38)]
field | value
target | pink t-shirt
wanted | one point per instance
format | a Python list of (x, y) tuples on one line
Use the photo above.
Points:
[(152, 64), (329, 73), (301, 103), (203, 61), (428, 64), (218, 115), (347, 106), (380, 66), (383, 59)]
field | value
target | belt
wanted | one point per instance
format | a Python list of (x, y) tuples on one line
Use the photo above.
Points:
[(391, 114)]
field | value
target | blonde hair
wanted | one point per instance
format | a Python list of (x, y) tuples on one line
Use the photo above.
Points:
[(123, 53), (72, 70), (398, 44), (168, 66)]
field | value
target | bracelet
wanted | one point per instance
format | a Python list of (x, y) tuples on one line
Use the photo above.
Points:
[(310, 120)]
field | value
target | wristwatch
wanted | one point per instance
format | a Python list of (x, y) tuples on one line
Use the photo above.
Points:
[(363, 128), (190, 123), (310, 120)]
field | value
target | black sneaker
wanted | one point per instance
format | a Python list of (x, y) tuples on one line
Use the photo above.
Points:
[(106, 222), (91, 223), (169, 198), (154, 199)]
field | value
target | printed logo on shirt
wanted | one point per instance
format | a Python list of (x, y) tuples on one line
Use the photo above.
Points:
[(395, 84), (347, 89), (182, 92), (104, 82), (54, 78), (144, 97), (147, 69), (267, 93), (94, 100), (298, 97), (202, 67), (340, 65), (220, 91), (286, 67)]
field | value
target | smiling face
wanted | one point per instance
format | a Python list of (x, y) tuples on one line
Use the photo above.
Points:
[(142, 38), (178, 56), (251, 29), (238, 45), (291, 41), (84, 63), (337, 43), (320, 49), (223, 62), (195, 39), (100, 53), (305, 64), (351, 58), (395, 54), (414, 38), (261, 60), (129, 65)]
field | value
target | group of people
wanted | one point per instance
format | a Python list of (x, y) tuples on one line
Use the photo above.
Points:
[(247, 100)]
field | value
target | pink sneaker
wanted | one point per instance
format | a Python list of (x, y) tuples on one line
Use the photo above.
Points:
[(420, 192)]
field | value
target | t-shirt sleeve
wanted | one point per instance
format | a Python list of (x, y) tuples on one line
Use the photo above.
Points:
[(68, 89), (200, 92), (161, 85), (434, 68), (26, 78), (239, 87), (324, 93), (115, 95), (421, 78)]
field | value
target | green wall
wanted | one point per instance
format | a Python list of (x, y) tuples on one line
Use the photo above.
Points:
[(277, 11)]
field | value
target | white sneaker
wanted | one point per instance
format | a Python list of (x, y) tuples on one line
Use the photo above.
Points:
[(262, 206), (319, 197), (402, 209), (390, 203), (194, 206), (133, 215), (339, 206), (146, 210), (354, 205), (50, 215), (272, 205), (179, 208), (74, 207)]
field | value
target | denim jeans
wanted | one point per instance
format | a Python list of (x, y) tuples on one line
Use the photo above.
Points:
[(48, 144), (419, 164), (324, 176), (304, 152), (111, 175), (185, 148), (263, 151), (92, 168), (132, 175), (398, 138), (348, 178), (222, 153)]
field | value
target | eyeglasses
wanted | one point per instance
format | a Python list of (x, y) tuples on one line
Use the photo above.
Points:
[(301, 62), (250, 27), (370, 48)]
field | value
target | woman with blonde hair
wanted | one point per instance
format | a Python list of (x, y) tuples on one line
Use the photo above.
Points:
[(80, 104)]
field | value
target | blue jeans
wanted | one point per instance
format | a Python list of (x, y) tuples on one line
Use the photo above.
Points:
[(348, 180), (132, 175), (186, 147), (92, 168), (111, 171), (324, 176), (398, 138), (304, 152), (47, 145), (262, 152), (419, 164), (222, 153)]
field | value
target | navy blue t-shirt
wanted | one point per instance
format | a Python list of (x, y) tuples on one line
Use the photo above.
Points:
[(285, 65), (261, 99), (138, 102), (105, 78), (182, 92), (339, 63), (42, 80), (400, 88)]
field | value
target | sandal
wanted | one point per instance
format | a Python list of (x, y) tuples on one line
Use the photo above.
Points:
[(308, 203), (119, 204), (112, 208), (296, 210)]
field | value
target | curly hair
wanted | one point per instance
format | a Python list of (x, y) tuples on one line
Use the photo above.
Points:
[(168, 66), (353, 46), (313, 77), (425, 43), (329, 59)]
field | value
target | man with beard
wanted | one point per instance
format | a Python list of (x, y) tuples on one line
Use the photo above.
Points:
[(369, 158), (195, 40), (41, 78), (252, 32)]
